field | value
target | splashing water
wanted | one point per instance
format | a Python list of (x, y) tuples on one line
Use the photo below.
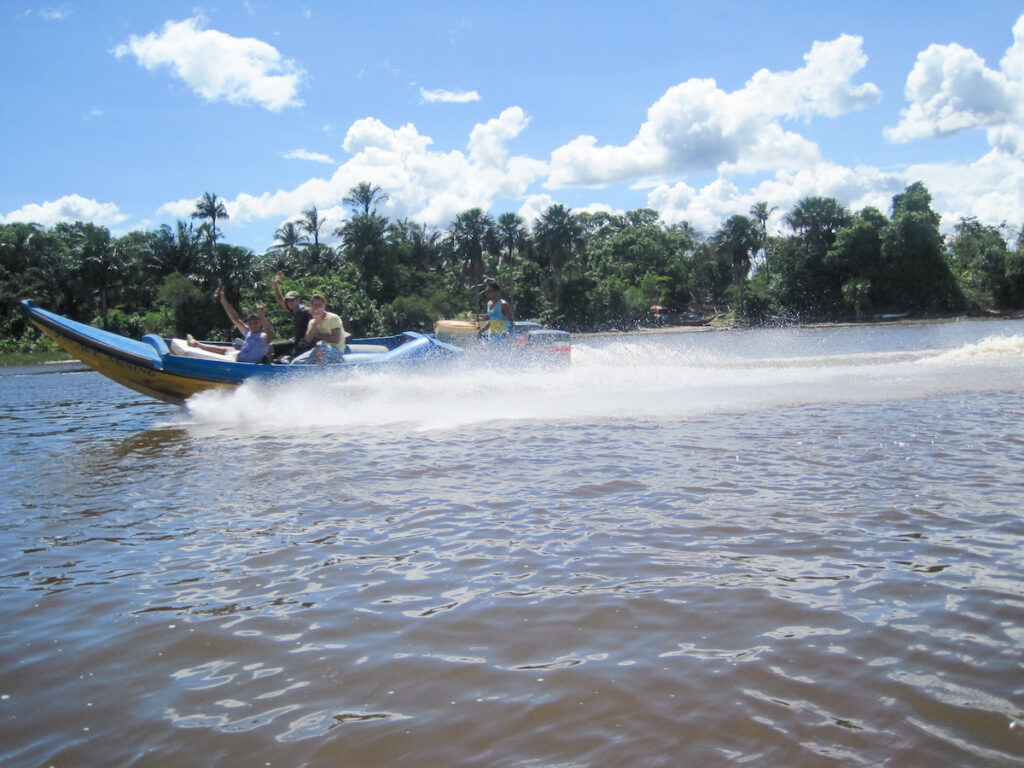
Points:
[(650, 377)]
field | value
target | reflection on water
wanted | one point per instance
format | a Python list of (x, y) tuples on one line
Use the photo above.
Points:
[(669, 553)]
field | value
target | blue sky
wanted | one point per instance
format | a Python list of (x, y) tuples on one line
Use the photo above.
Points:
[(123, 113)]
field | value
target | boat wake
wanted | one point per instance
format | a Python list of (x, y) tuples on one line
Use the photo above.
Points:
[(646, 378)]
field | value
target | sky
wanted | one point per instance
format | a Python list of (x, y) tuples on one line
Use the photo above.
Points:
[(123, 113)]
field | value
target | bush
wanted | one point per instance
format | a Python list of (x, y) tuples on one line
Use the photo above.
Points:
[(410, 313), (124, 323)]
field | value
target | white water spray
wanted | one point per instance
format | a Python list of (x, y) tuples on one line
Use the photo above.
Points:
[(651, 377)]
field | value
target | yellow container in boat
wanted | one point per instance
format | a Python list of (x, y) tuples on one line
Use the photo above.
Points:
[(457, 332)]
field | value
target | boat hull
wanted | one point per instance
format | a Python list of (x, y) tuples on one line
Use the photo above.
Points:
[(143, 378), (148, 367)]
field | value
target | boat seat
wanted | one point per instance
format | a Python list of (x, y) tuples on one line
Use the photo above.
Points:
[(181, 348), (366, 348)]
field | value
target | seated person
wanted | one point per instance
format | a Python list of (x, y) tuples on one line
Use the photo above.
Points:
[(326, 335), (255, 329), (301, 314)]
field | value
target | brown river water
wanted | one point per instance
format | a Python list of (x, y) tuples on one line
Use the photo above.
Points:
[(796, 547)]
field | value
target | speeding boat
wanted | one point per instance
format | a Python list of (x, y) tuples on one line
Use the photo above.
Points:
[(170, 370)]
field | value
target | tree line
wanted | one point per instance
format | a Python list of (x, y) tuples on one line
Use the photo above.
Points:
[(574, 270)]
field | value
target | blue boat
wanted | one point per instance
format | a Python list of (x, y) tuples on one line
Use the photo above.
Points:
[(161, 368)]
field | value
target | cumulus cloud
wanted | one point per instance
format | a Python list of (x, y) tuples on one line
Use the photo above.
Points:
[(534, 206), (217, 66), (305, 154), (448, 97), (950, 89), (698, 126), (741, 145), (707, 207), (424, 184), (990, 189), (69, 208)]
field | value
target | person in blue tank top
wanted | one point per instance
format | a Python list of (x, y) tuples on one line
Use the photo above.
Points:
[(255, 329), (501, 321)]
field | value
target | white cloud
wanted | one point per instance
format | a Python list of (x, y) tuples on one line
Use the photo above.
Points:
[(69, 208), (305, 154), (821, 87), (534, 206), (424, 184), (990, 189), (218, 66), (950, 89), (709, 206), (742, 138), (56, 14), (448, 97), (698, 126)]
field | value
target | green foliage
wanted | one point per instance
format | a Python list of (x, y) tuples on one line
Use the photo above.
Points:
[(1013, 289), (30, 343), (856, 292), (178, 303), (124, 323), (412, 312), (758, 306), (580, 271), (978, 256), (918, 278)]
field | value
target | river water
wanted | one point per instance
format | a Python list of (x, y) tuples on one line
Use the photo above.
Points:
[(797, 547)]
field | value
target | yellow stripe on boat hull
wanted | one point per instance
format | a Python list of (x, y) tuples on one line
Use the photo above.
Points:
[(169, 387)]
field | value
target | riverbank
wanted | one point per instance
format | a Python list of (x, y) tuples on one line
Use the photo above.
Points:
[(24, 359)]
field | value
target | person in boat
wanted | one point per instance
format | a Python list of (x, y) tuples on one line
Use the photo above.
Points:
[(301, 314), (256, 331), (325, 335), (501, 322)]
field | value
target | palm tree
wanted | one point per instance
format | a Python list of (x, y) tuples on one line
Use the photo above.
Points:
[(364, 246), (98, 262), (311, 223), (287, 240), (818, 219), (761, 212), (422, 242), (362, 231), (470, 235), (232, 266), (318, 256), (210, 208), (557, 233), (737, 238), (175, 251), (363, 197), (512, 236)]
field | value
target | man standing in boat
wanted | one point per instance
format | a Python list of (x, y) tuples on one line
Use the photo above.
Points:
[(301, 314), (501, 322)]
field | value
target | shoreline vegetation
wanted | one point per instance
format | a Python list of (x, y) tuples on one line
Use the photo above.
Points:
[(583, 272)]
